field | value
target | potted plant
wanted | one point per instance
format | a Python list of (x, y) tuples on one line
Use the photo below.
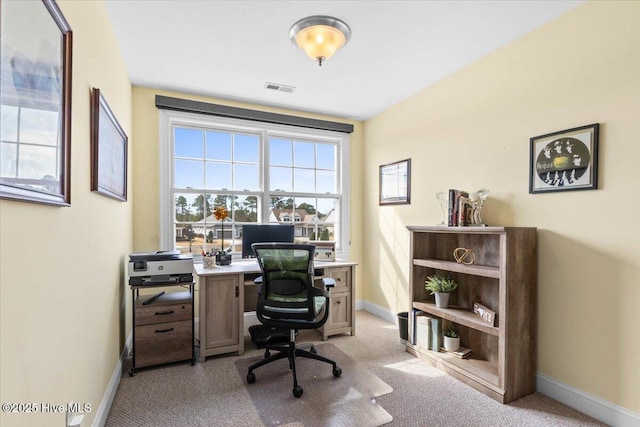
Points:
[(451, 339), (440, 286)]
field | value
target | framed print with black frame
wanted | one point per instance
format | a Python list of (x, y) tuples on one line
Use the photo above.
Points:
[(108, 150), (35, 103), (395, 183), (565, 160)]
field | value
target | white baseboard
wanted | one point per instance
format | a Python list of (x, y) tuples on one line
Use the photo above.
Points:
[(586, 403), (107, 400), (579, 400), (379, 311)]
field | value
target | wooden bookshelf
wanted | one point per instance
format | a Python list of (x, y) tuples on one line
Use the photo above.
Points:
[(502, 278)]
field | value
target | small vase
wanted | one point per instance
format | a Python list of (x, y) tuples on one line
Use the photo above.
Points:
[(442, 299), (451, 344)]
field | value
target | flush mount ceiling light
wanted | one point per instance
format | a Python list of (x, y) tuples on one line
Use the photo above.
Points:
[(320, 36)]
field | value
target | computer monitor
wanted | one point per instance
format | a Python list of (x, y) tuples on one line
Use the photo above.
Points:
[(262, 233)]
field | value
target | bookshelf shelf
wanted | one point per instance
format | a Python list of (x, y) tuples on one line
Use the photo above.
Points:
[(477, 270), (503, 278), (458, 315)]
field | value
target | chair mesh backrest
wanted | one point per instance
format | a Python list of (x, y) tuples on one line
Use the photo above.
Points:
[(287, 279)]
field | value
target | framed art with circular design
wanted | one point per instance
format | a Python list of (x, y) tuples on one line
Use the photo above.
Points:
[(565, 160)]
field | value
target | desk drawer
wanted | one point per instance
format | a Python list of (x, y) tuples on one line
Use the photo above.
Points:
[(147, 315), (163, 343), (342, 277)]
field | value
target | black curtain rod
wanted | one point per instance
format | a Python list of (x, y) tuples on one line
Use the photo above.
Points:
[(187, 105)]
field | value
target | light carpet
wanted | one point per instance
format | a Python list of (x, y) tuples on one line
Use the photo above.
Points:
[(349, 400), (213, 394)]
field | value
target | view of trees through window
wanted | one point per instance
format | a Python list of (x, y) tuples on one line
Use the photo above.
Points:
[(239, 171)]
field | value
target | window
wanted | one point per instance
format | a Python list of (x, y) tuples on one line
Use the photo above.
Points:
[(261, 173)]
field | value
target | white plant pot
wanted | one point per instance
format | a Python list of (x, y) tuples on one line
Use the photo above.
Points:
[(442, 299), (451, 344)]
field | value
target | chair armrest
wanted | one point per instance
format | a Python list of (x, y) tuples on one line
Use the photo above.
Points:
[(328, 282)]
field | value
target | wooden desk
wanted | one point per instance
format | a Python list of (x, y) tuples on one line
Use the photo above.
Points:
[(222, 303)]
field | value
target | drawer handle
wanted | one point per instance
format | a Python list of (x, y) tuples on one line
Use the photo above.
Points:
[(162, 313), (159, 331), (338, 279)]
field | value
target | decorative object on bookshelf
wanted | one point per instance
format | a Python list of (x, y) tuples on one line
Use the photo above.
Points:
[(461, 254), (451, 338), (477, 201), (440, 286), (565, 160), (442, 198), (485, 314)]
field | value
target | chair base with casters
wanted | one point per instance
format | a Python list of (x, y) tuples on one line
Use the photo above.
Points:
[(291, 351), (289, 300)]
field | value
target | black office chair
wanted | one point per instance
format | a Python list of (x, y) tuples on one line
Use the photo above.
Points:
[(287, 299)]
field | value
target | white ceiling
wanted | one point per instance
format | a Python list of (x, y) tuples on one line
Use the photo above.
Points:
[(230, 49)]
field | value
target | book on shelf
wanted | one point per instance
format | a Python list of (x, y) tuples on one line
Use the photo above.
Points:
[(422, 329), (459, 213), (461, 353), (436, 334)]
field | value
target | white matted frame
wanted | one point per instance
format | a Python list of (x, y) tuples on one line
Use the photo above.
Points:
[(395, 183), (565, 160)]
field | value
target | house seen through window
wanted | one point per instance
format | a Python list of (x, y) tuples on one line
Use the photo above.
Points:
[(260, 175)]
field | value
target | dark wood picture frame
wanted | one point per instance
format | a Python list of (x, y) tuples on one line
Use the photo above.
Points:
[(109, 145), (564, 161), (395, 183), (35, 103)]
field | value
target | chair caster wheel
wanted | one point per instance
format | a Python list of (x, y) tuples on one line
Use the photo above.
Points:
[(297, 391), (337, 372), (251, 378), (313, 350)]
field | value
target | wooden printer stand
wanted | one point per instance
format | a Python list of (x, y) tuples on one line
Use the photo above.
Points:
[(163, 329)]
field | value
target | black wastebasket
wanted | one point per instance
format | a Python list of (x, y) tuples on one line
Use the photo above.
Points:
[(403, 326)]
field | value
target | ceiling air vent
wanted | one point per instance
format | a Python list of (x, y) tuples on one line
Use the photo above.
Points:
[(279, 88)]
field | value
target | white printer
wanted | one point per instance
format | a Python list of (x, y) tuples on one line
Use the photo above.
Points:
[(160, 268)]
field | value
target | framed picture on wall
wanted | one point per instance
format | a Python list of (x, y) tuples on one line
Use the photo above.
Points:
[(395, 183), (564, 160), (35, 103), (108, 150)]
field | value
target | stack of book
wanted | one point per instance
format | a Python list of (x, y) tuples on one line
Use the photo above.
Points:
[(460, 210), (461, 353)]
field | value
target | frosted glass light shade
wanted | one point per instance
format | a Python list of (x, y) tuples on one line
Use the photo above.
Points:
[(320, 36)]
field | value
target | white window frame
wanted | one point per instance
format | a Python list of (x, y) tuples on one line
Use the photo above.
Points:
[(169, 119)]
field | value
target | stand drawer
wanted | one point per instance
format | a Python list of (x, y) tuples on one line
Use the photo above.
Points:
[(163, 343), (151, 314)]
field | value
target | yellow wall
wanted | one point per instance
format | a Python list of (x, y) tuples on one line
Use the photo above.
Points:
[(62, 290), (472, 130), (146, 220)]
